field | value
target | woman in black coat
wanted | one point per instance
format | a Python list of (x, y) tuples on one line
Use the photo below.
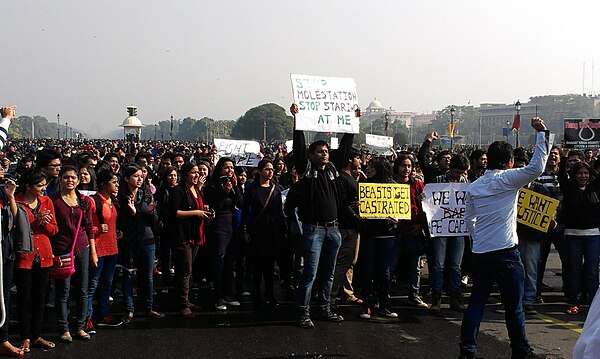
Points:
[(187, 213), (223, 196), (263, 214)]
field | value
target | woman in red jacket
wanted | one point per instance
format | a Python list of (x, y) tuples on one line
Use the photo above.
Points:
[(104, 217), (32, 270)]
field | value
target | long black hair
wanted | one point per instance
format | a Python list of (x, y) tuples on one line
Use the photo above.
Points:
[(30, 177), (383, 170), (219, 166), (80, 198)]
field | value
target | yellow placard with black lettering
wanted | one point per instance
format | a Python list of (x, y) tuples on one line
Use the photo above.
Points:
[(535, 210), (383, 200)]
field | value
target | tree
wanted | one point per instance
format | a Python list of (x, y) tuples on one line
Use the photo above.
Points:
[(250, 126)]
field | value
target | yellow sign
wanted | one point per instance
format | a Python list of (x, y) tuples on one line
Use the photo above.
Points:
[(535, 210), (383, 200)]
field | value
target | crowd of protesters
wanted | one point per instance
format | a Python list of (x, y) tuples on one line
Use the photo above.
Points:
[(177, 209)]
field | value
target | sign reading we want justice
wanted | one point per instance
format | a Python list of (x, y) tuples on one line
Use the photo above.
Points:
[(325, 104)]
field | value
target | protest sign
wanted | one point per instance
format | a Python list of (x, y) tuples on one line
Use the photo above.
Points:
[(325, 104), (236, 147), (444, 205), (244, 153), (383, 200), (379, 144), (580, 134), (289, 145), (535, 210)]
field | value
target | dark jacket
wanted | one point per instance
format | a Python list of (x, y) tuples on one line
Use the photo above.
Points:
[(137, 228), (184, 230)]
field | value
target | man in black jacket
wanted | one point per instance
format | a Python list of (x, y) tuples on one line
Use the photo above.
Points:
[(317, 201)]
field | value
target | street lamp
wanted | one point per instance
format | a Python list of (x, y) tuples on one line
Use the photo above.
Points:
[(58, 127), (66, 130), (518, 110), (155, 128), (507, 129), (265, 130), (387, 118), (451, 127)]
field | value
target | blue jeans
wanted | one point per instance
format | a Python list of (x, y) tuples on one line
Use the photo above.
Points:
[(102, 276), (530, 250), (503, 267), (412, 247), (320, 244), (376, 256), (582, 254), (447, 252), (145, 266), (63, 289)]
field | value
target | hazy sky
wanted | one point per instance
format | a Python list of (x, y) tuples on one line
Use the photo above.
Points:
[(88, 60)]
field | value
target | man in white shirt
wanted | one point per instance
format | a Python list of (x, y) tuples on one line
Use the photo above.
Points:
[(7, 113), (491, 211)]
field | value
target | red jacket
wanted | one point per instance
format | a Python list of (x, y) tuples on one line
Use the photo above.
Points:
[(106, 243), (41, 235)]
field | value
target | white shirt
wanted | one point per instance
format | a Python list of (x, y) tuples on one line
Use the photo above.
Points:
[(491, 201)]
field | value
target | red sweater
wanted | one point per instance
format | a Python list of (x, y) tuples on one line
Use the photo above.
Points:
[(41, 234), (106, 243)]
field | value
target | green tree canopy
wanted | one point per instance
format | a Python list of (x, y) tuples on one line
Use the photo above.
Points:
[(280, 126)]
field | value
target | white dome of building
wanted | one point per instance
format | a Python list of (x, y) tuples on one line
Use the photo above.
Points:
[(375, 104)]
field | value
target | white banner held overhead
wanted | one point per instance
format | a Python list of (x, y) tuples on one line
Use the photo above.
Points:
[(325, 104), (379, 143), (444, 205), (244, 153), (236, 147)]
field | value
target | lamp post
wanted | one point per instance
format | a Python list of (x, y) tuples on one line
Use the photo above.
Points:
[(171, 127), (452, 110), (58, 127), (507, 129), (518, 110), (66, 130), (387, 119), (155, 128)]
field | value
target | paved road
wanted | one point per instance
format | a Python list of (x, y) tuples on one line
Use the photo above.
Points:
[(247, 333)]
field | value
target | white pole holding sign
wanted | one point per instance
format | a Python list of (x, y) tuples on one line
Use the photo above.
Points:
[(325, 104)]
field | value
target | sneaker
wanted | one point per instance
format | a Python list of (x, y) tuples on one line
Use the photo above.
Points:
[(304, 321), (366, 313), (231, 302), (330, 316), (529, 309), (464, 280), (546, 287), (418, 302), (386, 312), (128, 317), (456, 303), (539, 299), (110, 321), (220, 305), (89, 326)]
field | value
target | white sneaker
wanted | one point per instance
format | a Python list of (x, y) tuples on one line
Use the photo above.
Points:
[(231, 302)]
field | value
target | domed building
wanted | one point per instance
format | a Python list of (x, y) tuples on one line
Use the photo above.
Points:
[(375, 110), (133, 125)]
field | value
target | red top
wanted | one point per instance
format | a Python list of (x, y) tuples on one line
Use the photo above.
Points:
[(41, 234), (200, 205), (106, 243)]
